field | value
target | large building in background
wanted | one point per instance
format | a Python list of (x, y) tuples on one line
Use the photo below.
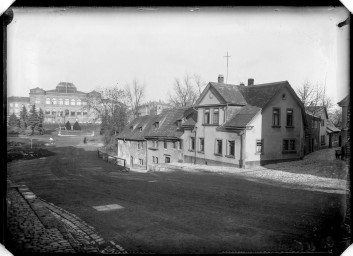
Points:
[(62, 104)]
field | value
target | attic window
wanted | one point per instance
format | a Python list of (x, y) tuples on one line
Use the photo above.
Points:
[(283, 96), (140, 128), (156, 124), (131, 127)]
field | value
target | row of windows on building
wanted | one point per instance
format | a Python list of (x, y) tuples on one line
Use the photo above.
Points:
[(66, 113), (73, 102), (288, 145), (207, 116), (276, 117)]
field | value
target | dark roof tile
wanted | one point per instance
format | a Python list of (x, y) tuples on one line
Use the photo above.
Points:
[(243, 117)]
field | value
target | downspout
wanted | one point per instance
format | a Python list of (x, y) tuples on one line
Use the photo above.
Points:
[(146, 156), (242, 151), (195, 145)]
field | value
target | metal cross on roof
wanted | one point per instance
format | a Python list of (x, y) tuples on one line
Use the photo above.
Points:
[(228, 56)]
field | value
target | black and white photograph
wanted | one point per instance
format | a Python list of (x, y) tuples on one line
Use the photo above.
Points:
[(185, 130)]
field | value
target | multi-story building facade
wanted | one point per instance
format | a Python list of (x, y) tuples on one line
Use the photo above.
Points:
[(15, 105), (62, 104)]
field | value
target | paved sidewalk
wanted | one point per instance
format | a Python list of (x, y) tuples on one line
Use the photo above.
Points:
[(37, 226)]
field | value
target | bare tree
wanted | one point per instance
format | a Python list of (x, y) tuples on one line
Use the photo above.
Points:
[(336, 117), (186, 91), (135, 96), (314, 96), (109, 106)]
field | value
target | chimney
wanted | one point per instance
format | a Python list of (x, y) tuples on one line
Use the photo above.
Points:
[(220, 79), (250, 81), (241, 83)]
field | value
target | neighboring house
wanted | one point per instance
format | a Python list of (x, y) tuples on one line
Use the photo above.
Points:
[(240, 125), (15, 104), (164, 141), (321, 111), (132, 145), (345, 128), (312, 133), (334, 134)]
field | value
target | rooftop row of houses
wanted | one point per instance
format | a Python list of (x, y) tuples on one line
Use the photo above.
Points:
[(232, 125)]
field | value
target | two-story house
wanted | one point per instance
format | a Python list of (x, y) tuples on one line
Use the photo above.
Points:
[(312, 133), (240, 125), (132, 146), (345, 127)]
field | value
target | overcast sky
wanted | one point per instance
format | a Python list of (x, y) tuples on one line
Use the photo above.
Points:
[(104, 47)]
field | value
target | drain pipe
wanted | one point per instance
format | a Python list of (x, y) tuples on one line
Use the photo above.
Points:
[(146, 156), (242, 153)]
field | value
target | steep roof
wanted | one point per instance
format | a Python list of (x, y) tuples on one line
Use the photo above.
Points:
[(168, 127), (230, 93), (146, 122), (15, 98), (330, 127), (344, 102), (317, 110), (260, 95), (243, 117)]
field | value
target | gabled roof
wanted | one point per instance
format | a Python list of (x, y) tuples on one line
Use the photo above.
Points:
[(330, 127), (317, 110), (243, 117), (344, 102), (15, 98), (168, 127), (146, 122), (260, 95)]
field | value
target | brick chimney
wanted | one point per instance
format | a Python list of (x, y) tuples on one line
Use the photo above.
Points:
[(220, 79), (250, 81)]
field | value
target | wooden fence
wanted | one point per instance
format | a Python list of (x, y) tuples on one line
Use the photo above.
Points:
[(112, 159)]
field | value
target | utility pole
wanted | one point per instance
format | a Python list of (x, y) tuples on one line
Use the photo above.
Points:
[(227, 65)]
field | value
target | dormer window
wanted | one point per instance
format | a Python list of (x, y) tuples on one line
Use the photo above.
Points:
[(131, 127), (140, 128), (179, 124), (156, 125)]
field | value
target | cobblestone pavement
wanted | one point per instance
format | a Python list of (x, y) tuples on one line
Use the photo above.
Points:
[(37, 226)]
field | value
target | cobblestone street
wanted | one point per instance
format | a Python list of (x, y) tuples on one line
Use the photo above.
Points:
[(37, 226)]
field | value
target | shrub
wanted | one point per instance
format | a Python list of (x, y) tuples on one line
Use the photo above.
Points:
[(68, 125), (77, 126)]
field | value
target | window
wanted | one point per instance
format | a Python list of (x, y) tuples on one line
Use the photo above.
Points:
[(181, 144), (78, 102), (201, 144), (37, 101), (165, 144), (192, 143), (156, 160), (283, 96), (72, 113), (322, 122), (289, 117), (153, 159), (73, 102), (141, 161), (174, 144), (78, 113), (218, 147), (47, 112), (289, 145), (47, 101), (140, 128), (84, 103), (216, 116), (61, 113), (231, 148), (67, 112), (323, 140), (138, 145), (259, 146), (67, 102), (156, 125), (54, 101), (84, 113), (276, 117), (60, 101), (206, 116), (53, 112), (167, 159)]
